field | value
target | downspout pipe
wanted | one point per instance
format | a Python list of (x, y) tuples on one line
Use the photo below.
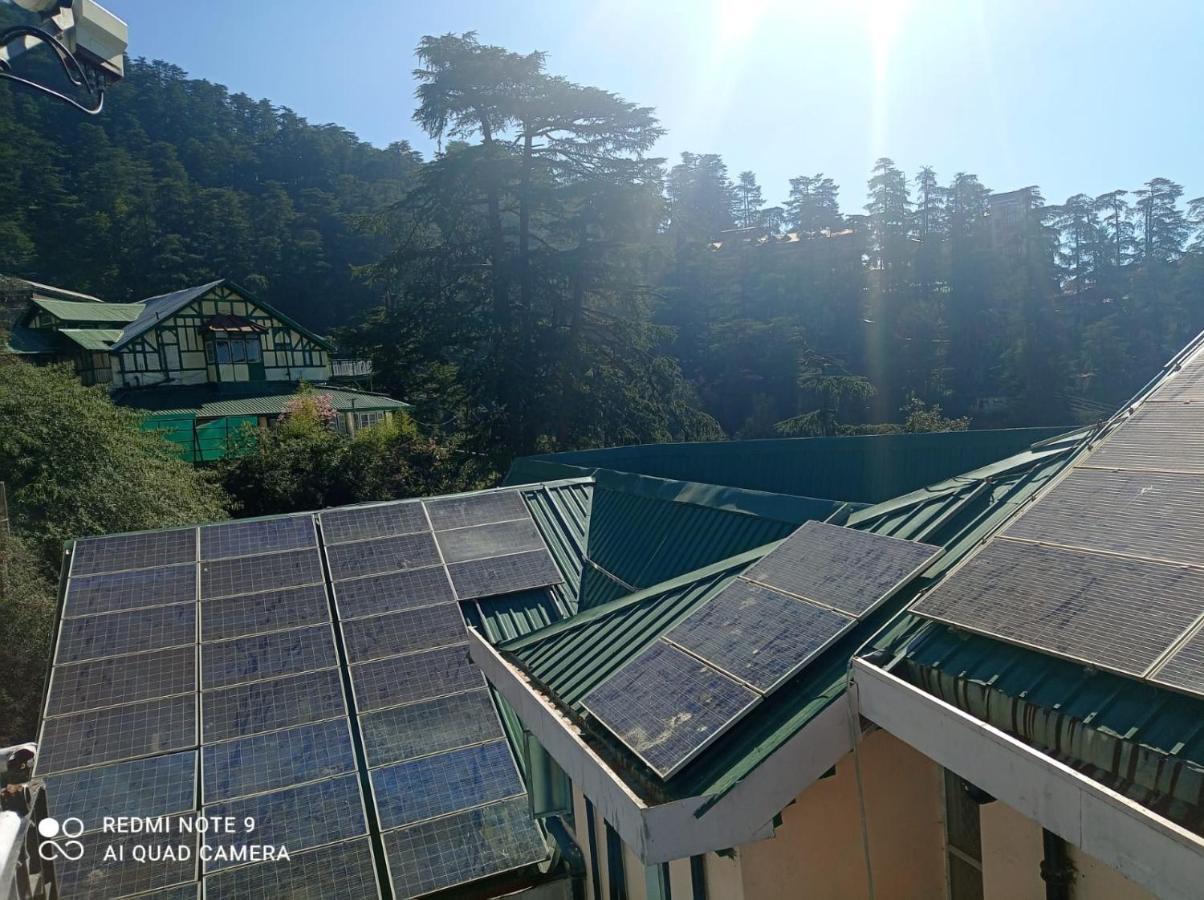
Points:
[(1056, 869)]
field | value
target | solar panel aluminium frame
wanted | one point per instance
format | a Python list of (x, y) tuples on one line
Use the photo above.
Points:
[(710, 739)]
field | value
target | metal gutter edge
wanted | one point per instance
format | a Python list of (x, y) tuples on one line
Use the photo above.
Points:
[(1152, 851)]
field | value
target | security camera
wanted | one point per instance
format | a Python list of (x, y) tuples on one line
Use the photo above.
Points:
[(87, 29)]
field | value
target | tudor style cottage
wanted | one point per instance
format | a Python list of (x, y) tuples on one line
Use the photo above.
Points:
[(204, 361)]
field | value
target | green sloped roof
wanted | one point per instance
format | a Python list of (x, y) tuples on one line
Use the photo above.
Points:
[(32, 341), (262, 399), (85, 311), (92, 338)]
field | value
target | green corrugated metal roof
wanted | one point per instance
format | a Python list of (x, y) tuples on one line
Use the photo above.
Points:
[(83, 311), (262, 399), (862, 469), (92, 338), (32, 341)]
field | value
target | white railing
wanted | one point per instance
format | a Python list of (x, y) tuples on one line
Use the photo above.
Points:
[(350, 368)]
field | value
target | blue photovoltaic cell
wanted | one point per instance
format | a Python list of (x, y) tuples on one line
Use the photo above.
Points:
[(476, 509), (503, 574), (95, 878), (276, 759), (121, 679), (179, 892), (486, 841), (258, 536), (299, 817), (252, 574), (230, 617), (437, 785), (482, 541), (114, 634), (666, 706), (114, 553), (155, 786), (408, 551), (756, 634), (392, 592), (267, 656), (402, 632), (130, 590), (431, 726), (344, 870), (415, 676), (116, 733), (356, 523), (267, 705)]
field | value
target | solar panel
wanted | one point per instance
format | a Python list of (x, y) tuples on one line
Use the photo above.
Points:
[(267, 656), (338, 870), (179, 892), (252, 574), (133, 551), (150, 787), (121, 679), (267, 705), (503, 574), (394, 591), (324, 812), (476, 509), (121, 876), (464, 847), (230, 617), (1159, 436), (117, 733), (130, 590), (1071, 603), (257, 536), (758, 635), (482, 541), (1151, 514), (277, 759), (850, 570), (407, 551), (433, 786), (114, 634), (1185, 668), (360, 522), (667, 706), (416, 676), (402, 632), (429, 726)]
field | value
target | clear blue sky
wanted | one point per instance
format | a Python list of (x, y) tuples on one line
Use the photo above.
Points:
[(1072, 95)]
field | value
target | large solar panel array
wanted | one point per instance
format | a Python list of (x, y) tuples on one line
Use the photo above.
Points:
[(431, 735), (1107, 567), (680, 694)]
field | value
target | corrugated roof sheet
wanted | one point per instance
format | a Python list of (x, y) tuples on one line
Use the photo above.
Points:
[(84, 311), (101, 339), (32, 341), (154, 309), (262, 399)]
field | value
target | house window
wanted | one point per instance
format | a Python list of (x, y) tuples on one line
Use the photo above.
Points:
[(233, 348), (963, 840), (368, 419), (614, 864)]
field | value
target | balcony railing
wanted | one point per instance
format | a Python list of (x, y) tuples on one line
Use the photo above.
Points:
[(24, 875), (350, 368)]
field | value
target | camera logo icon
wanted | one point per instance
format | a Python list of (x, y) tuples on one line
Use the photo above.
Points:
[(68, 847)]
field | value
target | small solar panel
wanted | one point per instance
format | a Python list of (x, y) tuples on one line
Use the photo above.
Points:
[(267, 656), (92, 876), (1071, 603), (324, 812), (252, 574), (433, 786), (667, 706), (276, 759), (150, 787), (130, 590), (1151, 514), (430, 726), (476, 509), (260, 706), (415, 676), (338, 870), (179, 892), (133, 551), (395, 591), (1185, 669), (229, 617), (114, 634), (403, 632), (121, 679), (487, 841), (850, 570), (482, 541), (117, 733), (359, 522), (407, 551), (503, 574), (758, 635), (257, 536), (1159, 436)]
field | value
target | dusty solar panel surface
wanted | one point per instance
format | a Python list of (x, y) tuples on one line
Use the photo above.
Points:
[(680, 694), (201, 671), (1106, 567)]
